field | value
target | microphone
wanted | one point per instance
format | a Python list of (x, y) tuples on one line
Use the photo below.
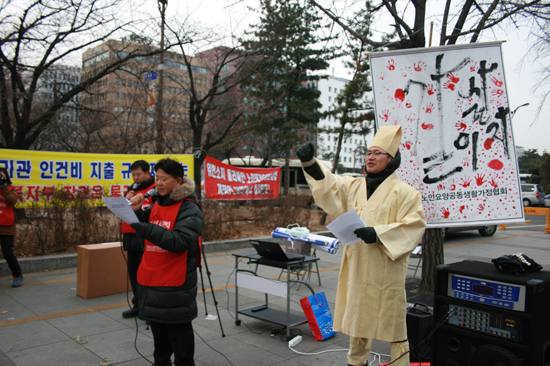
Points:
[(150, 193), (133, 187)]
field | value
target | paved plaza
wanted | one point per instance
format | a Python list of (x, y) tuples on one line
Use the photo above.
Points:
[(44, 322)]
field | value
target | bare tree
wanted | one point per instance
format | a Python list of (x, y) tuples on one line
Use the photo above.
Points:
[(35, 35), (540, 53)]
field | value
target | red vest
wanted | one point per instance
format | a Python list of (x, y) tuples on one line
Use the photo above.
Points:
[(160, 267), (7, 217), (126, 228)]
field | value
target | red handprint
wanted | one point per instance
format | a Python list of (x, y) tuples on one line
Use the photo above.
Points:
[(493, 183), (496, 81), (461, 126), (391, 65), (411, 117), (407, 145), (419, 66), (406, 71), (445, 212), (431, 89), (408, 105), (465, 182), (385, 115), (449, 85), (429, 108), (473, 66), (427, 126), (488, 143), (481, 207), (479, 179), (452, 78), (498, 92), (462, 208), (465, 162), (440, 187)]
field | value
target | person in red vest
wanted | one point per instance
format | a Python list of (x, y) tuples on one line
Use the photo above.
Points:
[(130, 242), (167, 276), (8, 199)]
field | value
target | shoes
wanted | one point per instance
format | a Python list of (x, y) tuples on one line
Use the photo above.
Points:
[(130, 313), (17, 281)]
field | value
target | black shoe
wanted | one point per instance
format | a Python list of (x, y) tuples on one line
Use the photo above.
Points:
[(130, 313)]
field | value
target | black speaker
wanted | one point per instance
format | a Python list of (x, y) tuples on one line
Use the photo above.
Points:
[(487, 318), (419, 327)]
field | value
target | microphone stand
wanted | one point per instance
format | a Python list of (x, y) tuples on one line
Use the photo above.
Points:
[(211, 289)]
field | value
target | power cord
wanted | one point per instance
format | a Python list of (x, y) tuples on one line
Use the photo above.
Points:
[(212, 348)]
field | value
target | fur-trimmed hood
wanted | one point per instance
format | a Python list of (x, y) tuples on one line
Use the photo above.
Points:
[(186, 189)]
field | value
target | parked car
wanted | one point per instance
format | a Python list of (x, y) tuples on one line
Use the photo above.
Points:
[(532, 195), (547, 200), (488, 230)]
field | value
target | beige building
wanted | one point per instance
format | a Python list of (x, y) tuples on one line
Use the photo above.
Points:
[(118, 111)]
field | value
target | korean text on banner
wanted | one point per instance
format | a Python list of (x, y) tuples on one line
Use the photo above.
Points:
[(37, 174), (457, 147), (227, 182)]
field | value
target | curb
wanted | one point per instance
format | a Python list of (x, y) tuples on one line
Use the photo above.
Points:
[(51, 262)]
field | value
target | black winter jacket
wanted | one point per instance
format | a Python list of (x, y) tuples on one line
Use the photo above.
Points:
[(129, 240), (171, 305)]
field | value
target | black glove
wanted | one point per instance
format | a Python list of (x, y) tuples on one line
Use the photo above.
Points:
[(3, 182), (305, 152), (141, 228), (367, 234)]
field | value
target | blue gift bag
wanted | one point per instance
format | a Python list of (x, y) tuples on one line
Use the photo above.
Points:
[(318, 316)]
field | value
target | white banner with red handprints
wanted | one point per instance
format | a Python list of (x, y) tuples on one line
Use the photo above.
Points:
[(457, 148)]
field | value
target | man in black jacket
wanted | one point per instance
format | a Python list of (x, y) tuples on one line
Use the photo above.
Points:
[(167, 275), (130, 242)]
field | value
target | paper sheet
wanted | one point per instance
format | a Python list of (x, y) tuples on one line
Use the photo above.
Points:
[(344, 226), (120, 207)]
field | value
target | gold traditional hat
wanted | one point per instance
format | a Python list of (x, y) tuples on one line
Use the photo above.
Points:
[(388, 138)]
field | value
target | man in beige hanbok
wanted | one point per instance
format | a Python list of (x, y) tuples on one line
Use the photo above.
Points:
[(371, 301)]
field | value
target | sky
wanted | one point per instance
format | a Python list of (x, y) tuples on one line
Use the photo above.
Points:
[(232, 16)]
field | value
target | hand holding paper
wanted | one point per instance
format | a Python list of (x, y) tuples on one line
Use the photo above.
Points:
[(119, 206), (345, 225)]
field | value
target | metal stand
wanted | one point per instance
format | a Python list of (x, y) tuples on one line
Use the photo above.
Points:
[(211, 289)]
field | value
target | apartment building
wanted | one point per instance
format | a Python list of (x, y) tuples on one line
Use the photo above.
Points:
[(62, 134), (119, 109), (327, 142)]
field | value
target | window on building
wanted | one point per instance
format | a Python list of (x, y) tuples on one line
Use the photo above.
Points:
[(330, 88), (116, 95), (245, 147), (329, 99), (245, 138), (117, 81)]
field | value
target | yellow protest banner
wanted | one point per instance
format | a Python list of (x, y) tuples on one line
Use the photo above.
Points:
[(37, 174)]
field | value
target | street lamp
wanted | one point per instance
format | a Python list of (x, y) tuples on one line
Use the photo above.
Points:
[(160, 107), (514, 111)]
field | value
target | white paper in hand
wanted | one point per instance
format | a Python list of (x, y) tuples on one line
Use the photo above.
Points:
[(344, 226), (119, 206)]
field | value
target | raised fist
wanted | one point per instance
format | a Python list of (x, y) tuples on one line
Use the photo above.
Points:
[(305, 152)]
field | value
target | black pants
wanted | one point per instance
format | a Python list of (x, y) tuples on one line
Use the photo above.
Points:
[(173, 338), (134, 260), (7, 252)]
